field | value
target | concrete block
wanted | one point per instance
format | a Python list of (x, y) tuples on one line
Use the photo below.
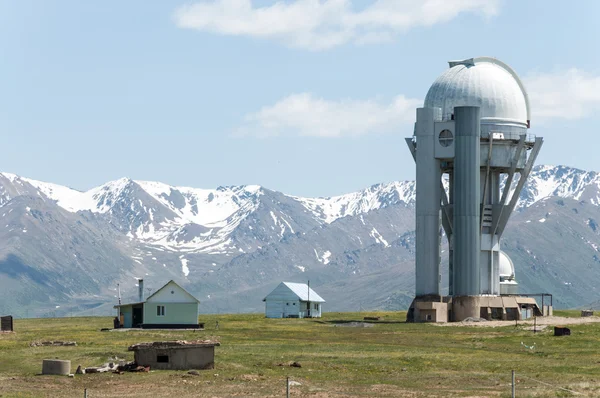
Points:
[(56, 367)]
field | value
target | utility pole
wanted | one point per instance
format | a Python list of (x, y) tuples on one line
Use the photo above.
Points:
[(308, 302)]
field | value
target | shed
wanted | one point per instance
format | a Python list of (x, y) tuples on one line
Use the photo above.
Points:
[(6, 323), (170, 307), (293, 300), (176, 355)]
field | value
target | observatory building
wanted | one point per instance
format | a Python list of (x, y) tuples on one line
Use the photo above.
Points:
[(470, 135)]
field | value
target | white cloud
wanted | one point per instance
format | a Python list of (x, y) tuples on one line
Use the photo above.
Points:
[(323, 24), (570, 94), (304, 114)]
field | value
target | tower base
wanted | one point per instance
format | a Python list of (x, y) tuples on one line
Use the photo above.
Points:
[(459, 308)]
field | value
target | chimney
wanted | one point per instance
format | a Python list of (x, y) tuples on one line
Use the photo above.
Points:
[(141, 290)]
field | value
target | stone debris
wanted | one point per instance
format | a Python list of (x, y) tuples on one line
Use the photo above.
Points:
[(293, 364), (194, 373), (79, 371), (118, 369), (294, 383), (131, 367), (249, 377), (96, 369), (52, 343), (354, 325)]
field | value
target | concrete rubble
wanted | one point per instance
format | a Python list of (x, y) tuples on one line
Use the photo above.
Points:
[(292, 364), (113, 367), (176, 355), (169, 344), (52, 343)]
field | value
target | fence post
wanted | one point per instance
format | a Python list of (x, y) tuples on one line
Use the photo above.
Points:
[(513, 384), (287, 387)]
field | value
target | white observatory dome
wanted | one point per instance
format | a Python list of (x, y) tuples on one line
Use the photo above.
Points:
[(485, 82), (506, 266)]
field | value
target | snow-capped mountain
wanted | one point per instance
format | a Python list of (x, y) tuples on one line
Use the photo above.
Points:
[(205, 220), (58, 244), (563, 182)]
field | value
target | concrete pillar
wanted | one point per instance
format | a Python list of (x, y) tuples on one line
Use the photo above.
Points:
[(466, 195), (56, 367), (428, 201)]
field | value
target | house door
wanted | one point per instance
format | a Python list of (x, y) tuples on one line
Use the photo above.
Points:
[(138, 316)]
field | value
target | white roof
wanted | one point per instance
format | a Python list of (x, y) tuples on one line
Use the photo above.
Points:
[(484, 82), (302, 291)]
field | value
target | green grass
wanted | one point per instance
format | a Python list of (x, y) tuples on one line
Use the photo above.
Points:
[(388, 359)]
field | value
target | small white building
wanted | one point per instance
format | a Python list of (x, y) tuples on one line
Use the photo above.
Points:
[(170, 307), (293, 300)]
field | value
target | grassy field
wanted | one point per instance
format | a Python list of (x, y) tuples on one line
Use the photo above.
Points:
[(387, 359)]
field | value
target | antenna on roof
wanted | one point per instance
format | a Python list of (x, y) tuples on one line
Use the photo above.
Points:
[(119, 292), (308, 302)]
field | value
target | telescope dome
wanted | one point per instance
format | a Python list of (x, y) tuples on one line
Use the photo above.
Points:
[(506, 267), (484, 82)]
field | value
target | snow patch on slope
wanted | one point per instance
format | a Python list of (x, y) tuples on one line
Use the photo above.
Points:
[(184, 266), (376, 197)]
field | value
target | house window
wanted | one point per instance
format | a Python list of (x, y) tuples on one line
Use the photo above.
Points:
[(317, 307), (162, 358), (160, 310), (293, 303), (287, 303)]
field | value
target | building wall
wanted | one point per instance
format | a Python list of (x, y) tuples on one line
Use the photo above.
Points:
[(177, 358), (175, 313), (282, 293), (282, 308), (171, 293)]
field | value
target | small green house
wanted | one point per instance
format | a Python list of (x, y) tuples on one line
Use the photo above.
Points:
[(170, 307)]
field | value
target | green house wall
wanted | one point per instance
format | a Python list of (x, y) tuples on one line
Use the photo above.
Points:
[(175, 314)]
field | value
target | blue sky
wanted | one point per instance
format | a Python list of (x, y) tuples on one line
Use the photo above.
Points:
[(308, 97)]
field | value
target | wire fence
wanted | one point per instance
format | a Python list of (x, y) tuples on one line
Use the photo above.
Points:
[(292, 385)]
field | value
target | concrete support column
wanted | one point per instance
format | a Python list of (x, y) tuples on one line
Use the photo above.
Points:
[(428, 200), (466, 195)]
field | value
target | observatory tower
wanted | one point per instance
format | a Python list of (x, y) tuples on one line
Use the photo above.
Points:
[(470, 135)]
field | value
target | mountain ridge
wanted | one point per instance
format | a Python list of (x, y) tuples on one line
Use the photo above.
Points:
[(229, 242)]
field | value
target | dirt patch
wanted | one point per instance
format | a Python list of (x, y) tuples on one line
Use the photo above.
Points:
[(540, 321)]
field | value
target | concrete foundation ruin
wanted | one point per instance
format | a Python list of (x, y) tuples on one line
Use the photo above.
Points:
[(176, 355)]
